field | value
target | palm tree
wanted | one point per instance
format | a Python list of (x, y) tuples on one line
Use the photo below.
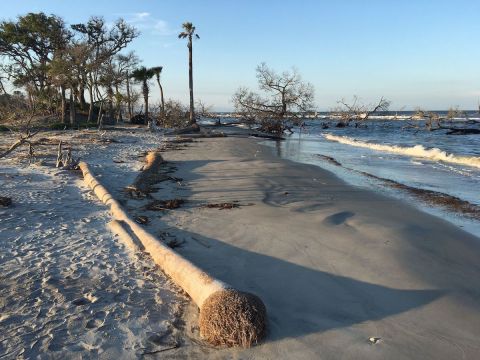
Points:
[(142, 74), (157, 71), (189, 32)]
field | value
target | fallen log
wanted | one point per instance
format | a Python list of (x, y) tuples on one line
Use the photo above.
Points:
[(466, 131), (204, 135), (149, 175), (266, 136), (227, 316), (194, 128)]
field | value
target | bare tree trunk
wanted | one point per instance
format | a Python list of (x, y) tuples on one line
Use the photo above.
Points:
[(73, 114), (2, 88), (100, 112), (161, 96), (190, 81), (64, 105), (59, 155), (146, 109), (81, 95), (118, 110), (90, 108), (76, 94), (110, 103), (129, 100)]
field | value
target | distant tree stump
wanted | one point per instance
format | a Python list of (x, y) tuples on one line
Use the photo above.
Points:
[(5, 201)]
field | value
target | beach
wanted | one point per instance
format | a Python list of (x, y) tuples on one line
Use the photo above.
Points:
[(344, 272), (335, 265)]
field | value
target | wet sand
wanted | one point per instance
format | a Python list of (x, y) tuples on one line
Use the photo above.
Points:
[(335, 265)]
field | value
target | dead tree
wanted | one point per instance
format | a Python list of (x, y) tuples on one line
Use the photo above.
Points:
[(204, 111), (287, 98), (21, 120), (433, 121), (356, 111)]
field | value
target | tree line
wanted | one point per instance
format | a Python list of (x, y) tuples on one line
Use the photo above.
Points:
[(60, 67)]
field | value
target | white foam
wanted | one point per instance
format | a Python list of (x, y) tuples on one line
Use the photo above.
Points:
[(418, 151)]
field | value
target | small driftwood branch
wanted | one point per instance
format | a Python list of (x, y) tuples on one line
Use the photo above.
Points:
[(24, 139), (66, 161), (59, 155)]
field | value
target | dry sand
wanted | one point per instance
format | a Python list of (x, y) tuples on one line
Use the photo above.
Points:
[(68, 288), (334, 264)]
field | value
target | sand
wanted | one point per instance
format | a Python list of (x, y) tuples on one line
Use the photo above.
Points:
[(334, 264), (68, 288)]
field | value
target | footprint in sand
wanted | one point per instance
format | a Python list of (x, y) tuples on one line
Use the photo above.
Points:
[(338, 218), (86, 299), (97, 321)]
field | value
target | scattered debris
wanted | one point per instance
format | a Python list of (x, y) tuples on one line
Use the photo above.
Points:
[(135, 194), (5, 201), (180, 140), (141, 219), (160, 205), (374, 340), (174, 243), (222, 206), (329, 159), (152, 352), (266, 136), (450, 202)]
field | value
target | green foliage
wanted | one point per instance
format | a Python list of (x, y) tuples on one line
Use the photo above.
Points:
[(142, 74), (188, 31), (30, 43)]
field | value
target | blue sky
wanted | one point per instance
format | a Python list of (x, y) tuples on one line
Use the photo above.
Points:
[(417, 53)]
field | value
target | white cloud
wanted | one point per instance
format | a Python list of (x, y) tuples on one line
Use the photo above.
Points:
[(147, 23), (141, 15), (161, 28)]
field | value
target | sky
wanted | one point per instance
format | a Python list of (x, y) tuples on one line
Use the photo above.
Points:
[(416, 53)]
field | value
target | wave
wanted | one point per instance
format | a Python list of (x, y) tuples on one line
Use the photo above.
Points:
[(450, 202), (418, 151)]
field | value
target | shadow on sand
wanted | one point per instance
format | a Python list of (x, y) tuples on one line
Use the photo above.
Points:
[(299, 300)]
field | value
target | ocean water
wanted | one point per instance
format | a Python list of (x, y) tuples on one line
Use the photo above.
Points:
[(385, 149)]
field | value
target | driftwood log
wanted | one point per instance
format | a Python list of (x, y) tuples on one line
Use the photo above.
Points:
[(149, 175), (194, 128), (227, 316)]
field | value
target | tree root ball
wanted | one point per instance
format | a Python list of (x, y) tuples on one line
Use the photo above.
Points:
[(233, 318)]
